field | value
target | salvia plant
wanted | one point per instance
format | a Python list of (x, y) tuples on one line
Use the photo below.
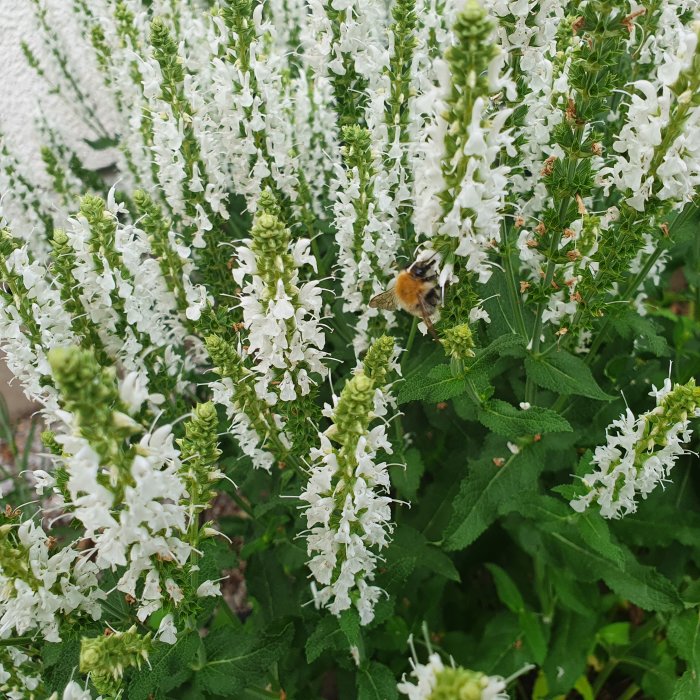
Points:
[(367, 369)]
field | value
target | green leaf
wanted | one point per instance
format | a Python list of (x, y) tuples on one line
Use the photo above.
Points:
[(684, 634), (508, 592), (500, 648), (687, 687), (505, 345), (642, 585), (438, 385), (504, 419), (572, 639), (583, 686), (572, 593), (583, 546), (349, 623), (409, 550), (327, 636), (535, 635), (236, 660), (643, 331), (169, 668), (660, 526), (615, 634), (489, 491), (564, 374), (60, 663), (376, 682), (271, 587)]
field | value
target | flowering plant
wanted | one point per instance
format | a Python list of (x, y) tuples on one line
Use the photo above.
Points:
[(255, 480)]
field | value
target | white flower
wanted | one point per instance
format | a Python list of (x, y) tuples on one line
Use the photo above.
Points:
[(167, 632), (53, 586), (640, 453), (466, 683), (425, 675), (343, 552), (208, 588), (73, 691), (281, 313)]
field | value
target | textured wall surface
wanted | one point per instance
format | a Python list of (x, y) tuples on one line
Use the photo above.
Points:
[(25, 97)]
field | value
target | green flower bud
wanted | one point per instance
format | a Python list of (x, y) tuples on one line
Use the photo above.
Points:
[(165, 52), (267, 202), (199, 448), (8, 243), (48, 438), (377, 359), (458, 342), (270, 244), (357, 148), (59, 239), (106, 658), (459, 684), (227, 362), (352, 415)]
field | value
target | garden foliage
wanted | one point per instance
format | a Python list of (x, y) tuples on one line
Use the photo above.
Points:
[(256, 484)]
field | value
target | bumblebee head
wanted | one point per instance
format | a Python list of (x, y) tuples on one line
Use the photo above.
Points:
[(423, 269)]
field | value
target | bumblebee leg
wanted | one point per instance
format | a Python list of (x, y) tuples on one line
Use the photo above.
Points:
[(426, 318)]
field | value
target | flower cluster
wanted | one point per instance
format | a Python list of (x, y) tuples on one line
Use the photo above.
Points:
[(367, 244), (461, 192), (19, 677), (641, 452), (272, 166), (106, 658), (281, 315), (252, 422), (137, 501), (39, 586), (348, 512), (657, 146), (435, 681)]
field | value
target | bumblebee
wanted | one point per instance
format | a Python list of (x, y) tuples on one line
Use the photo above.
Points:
[(414, 290)]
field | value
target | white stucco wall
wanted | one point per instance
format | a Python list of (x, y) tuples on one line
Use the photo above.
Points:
[(23, 96)]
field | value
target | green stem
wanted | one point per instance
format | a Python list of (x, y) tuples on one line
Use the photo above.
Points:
[(530, 388), (14, 641), (630, 692), (604, 675), (241, 503), (512, 281), (411, 337)]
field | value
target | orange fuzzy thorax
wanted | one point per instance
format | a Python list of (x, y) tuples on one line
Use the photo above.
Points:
[(408, 291)]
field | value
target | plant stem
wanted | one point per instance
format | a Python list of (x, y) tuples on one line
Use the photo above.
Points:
[(411, 337), (238, 500), (604, 675), (512, 281), (630, 692), (12, 641), (530, 388)]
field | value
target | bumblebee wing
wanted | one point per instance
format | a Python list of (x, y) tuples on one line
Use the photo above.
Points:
[(385, 300)]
